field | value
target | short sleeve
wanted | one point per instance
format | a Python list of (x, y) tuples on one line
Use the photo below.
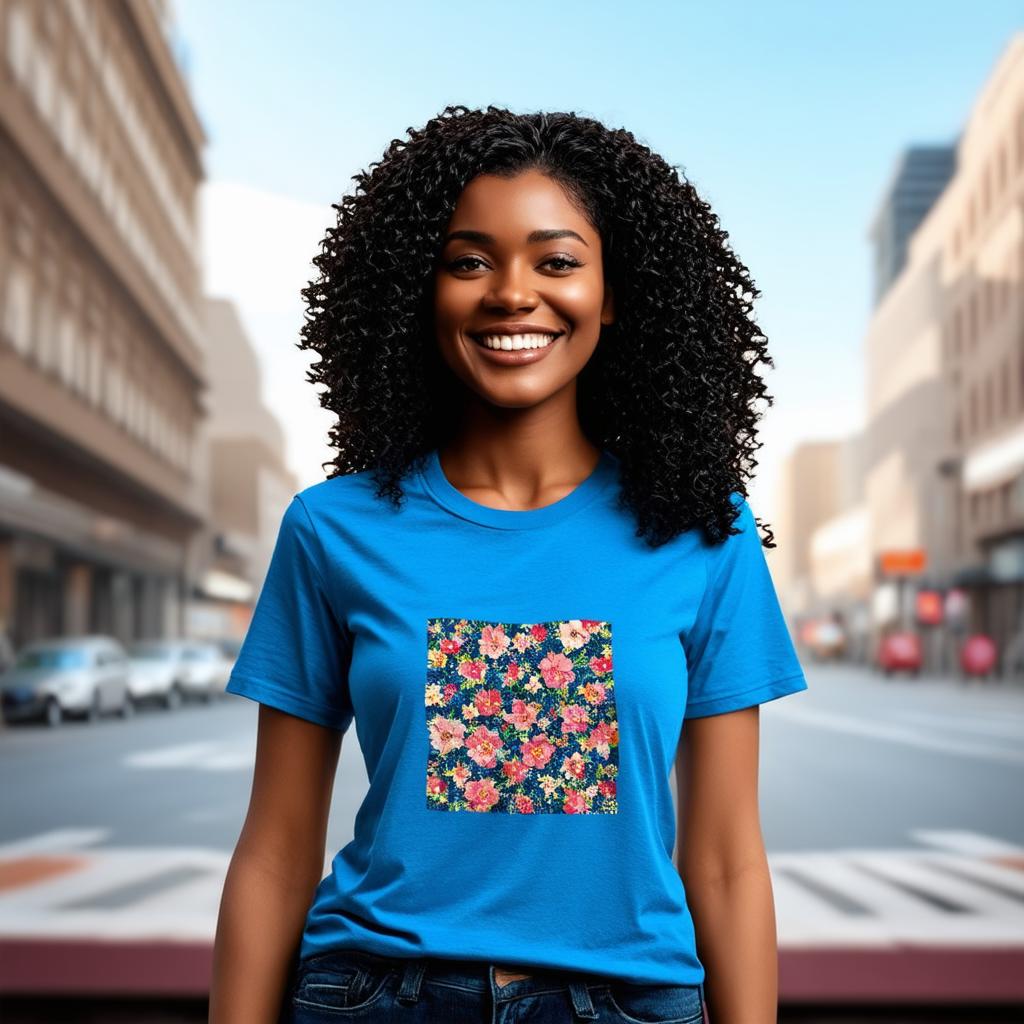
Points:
[(295, 654), (739, 651)]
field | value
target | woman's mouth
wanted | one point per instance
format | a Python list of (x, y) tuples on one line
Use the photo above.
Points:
[(515, 349)]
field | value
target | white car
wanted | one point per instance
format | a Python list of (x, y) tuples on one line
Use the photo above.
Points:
[(85, 676), (156, 671), (204, 670)]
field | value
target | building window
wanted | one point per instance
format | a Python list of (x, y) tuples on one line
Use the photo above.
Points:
[(19, 41), (66, 350), (17, 312)]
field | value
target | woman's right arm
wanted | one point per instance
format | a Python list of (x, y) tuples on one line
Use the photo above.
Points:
[(276, 866)]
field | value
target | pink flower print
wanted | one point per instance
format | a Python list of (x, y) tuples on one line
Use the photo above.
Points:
[(483, 745), (600, 739), (600, 666), (524, 805), (522, 715), (575, 718), (539, 632), (591, 625), (488, 702), (557, 670), (537, 751), (591, 792), (435, 786), (573, 634), (446, 734), (450, 689), (493, 641), (574, 766), (472, 669), (514, 771), (593, 693), (522, 641), (511, 674), (481, 794), (575, 803), (461, 775), (451, 644), (606, 787)]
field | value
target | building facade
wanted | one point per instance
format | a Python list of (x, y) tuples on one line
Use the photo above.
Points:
[(101, 350), (940, 463)]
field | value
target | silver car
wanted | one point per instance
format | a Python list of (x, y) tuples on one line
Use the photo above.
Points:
[(85, 676), (204, 670), (155, 671)]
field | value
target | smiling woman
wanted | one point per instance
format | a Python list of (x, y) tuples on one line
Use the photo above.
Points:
[(532, 562)]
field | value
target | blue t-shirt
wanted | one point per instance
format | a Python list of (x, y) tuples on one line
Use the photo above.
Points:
[(518, 682)]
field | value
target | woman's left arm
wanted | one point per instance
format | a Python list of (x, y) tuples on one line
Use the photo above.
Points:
[(721, 859)]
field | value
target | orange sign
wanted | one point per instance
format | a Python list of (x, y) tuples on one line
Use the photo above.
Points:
[(903, 562), (929, 607)]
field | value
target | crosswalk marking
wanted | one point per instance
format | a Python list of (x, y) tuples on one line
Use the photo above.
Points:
[(853, 898)]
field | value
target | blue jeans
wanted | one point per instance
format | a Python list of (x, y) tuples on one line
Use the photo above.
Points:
[(361, 986)]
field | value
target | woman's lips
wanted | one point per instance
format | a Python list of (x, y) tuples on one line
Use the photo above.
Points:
[(514, 357)]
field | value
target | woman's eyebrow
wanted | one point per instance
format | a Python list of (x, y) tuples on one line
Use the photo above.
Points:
[(544, 235)]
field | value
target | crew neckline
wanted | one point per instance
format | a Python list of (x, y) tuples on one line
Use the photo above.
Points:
[(446, 494)]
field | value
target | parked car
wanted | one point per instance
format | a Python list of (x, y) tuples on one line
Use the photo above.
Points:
[(85, 676), (156, 671), (900, 651), (204, 670), (828, 641)]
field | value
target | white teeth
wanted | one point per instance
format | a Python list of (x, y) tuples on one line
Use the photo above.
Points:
[(510, 342)]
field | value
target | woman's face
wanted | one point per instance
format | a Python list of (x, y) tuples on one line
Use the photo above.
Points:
[(518, 254)]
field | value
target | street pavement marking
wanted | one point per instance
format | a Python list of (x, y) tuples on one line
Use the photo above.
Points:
[(1002, 725), (206, 756), (970, 843), (853, 899), (880, 729), (181, 755), (59, 840)]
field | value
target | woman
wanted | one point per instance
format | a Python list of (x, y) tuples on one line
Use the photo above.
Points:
[(533, 561)]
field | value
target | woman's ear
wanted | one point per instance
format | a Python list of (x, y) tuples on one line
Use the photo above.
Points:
[(608, 306)]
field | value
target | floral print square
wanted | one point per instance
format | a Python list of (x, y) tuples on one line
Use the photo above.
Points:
[(521, 717)]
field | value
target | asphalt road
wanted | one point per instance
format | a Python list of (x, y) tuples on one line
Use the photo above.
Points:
[(854, 761)]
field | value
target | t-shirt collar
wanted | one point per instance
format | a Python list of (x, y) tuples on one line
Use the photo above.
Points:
[(438, 486)]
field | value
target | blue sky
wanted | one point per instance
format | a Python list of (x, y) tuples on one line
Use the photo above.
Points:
[(787, 117)]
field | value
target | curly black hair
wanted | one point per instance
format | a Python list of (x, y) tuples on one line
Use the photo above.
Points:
[(671, 387)]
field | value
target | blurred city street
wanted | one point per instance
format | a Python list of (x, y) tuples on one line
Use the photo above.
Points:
[(893, 881), (162, 199)]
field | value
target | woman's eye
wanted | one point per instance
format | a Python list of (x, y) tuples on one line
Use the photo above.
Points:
[(467, 263), (568, 262), (459, 264)]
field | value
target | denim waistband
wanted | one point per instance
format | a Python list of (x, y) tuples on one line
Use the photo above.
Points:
[(473, 975)]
